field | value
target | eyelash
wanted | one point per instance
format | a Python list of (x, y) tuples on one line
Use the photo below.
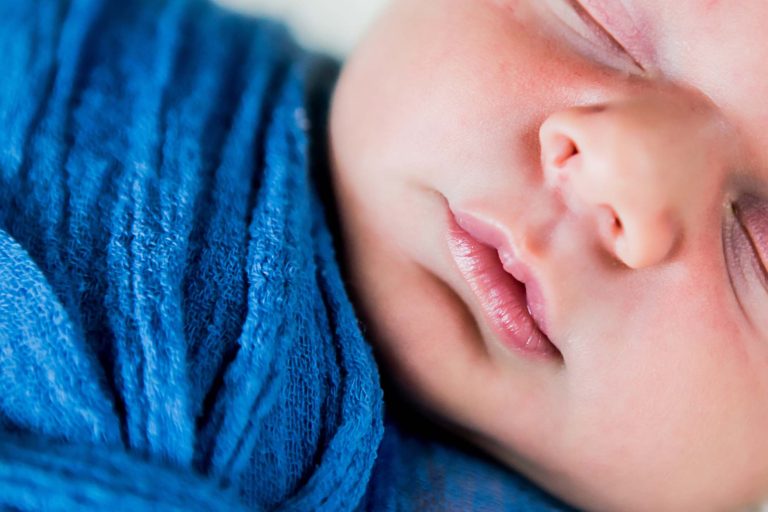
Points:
[(745, 256), (598, 35), (751, 213)]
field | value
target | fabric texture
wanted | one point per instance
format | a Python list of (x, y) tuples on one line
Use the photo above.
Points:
[(174, 328)]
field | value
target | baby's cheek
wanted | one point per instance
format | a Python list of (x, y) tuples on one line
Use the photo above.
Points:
[(674, 409)]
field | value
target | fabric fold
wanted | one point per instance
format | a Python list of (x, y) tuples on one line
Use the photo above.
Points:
[(169, 295)]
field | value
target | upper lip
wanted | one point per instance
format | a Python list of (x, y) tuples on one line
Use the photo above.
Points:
[(491, 234)]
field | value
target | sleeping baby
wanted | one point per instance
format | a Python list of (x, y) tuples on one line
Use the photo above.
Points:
[(555, 216), (232, 278)]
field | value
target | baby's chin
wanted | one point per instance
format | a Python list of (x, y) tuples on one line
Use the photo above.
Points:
[(416, 413), (579, 484), (584, 489)]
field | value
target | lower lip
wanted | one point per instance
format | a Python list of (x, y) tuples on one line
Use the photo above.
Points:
[(501, 297)]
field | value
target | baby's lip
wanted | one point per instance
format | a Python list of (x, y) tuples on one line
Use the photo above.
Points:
[(489, 233)]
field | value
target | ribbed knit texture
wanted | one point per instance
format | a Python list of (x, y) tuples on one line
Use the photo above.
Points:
[(167, 283), (174, 330)]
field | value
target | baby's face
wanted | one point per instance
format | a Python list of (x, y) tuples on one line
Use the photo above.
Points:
[(479, 144)]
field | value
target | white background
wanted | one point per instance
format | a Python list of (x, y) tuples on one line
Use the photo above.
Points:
[(330, 25)]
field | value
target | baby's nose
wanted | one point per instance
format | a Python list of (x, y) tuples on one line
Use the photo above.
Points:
[(635, 166)]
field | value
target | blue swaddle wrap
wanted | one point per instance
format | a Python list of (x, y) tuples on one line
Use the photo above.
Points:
[(174, 329)]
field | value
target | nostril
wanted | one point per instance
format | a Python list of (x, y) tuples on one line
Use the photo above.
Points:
[(563, 148), (610, 225), (560, 160), (617, 226)]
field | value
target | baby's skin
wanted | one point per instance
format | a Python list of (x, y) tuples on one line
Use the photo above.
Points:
[(612, 155)]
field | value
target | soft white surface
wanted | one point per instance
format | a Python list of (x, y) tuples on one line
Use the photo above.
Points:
[(330, 25)]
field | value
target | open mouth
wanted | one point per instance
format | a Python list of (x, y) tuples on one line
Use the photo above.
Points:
[(491, 271)]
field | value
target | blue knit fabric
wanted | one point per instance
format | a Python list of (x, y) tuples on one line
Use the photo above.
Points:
[(174, 329)]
